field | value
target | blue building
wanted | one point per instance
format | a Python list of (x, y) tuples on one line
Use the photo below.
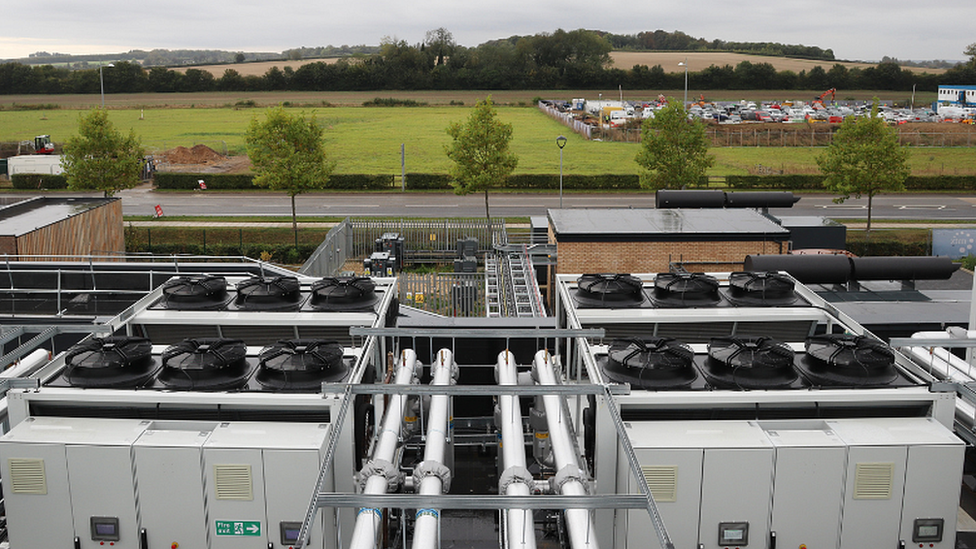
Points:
[(957, 96)]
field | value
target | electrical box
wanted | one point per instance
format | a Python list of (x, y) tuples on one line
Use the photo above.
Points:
[(70, 478), (711, 481), (260, 478), (171, 494)]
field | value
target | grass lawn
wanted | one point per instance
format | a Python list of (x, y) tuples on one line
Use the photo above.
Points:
[(368, 140)]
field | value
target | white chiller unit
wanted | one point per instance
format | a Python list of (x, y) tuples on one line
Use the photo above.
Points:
[(90, 482), (813, 484)]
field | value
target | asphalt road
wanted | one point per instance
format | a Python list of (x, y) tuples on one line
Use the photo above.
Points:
[(142, 201)]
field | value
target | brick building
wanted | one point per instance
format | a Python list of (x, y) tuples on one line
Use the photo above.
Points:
[(654, 240)]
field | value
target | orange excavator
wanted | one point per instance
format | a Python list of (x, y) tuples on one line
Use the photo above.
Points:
[(818, 103)]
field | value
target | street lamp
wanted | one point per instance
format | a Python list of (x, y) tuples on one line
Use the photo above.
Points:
[(101, 80), (685, 65), (561, 142)]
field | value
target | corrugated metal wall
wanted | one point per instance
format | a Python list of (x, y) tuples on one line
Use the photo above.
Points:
[(98, 231)]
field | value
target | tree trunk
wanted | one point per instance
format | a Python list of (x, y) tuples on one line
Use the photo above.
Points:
[(487, 213), (294, 221), (870, 197)]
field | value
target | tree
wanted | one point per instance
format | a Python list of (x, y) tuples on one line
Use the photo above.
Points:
[(480, 152), (674, 150), (864, 158), (287, 154), (102, 158), (970, 51)]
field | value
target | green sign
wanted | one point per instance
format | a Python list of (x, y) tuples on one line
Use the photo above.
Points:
[(238, 527)]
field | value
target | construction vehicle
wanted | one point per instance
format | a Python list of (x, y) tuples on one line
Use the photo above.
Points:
[(42, 144), (818, 102)]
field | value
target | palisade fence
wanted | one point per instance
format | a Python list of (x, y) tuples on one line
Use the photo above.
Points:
[(770, 135), (425, 241)]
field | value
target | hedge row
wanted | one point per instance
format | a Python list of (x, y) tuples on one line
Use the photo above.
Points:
[(815, 182), (38, 181), (279, 253), (190, 181)]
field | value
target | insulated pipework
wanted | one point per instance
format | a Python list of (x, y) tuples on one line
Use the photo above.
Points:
[(431, 476), (515, 479), (570, 478), (380, 474)]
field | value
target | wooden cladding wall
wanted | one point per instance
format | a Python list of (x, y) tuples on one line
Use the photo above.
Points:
[(98, 231)]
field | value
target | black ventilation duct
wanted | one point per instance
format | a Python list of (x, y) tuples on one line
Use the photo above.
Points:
[(610, 291), (343, 293), (903, 268), (195, 292), (846, 359), (749, 363), (808, 269), (216, 364), (651, 363), (110, 362), (685, 290), (761, 289), (665, 198), (301, 365), (268, 293)]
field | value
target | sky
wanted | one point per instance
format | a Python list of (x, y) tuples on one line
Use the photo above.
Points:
[(862, 30)]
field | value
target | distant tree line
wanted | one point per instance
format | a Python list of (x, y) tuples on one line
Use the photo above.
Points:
[(577, 59), (660, 40)]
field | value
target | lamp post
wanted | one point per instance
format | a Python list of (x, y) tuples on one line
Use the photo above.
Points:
[(101, 80), (561, 142), (685, 65)]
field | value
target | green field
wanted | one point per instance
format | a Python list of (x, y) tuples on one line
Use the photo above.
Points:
[(368, 140)]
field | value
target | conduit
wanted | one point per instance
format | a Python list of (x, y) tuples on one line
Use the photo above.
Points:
[(569, 475), (515, 479), (380, 474), (947, 366), (431, 476)]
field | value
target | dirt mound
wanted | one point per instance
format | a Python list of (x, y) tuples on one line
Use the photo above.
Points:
[(199, 154)]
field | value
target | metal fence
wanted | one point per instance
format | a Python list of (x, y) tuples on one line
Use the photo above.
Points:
[(448, 294), (425, 241)]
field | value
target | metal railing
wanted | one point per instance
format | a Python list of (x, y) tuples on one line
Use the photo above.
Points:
[(447, 294)]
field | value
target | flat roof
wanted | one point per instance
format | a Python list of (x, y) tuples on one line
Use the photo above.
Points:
[(672, 224), (29, 215)]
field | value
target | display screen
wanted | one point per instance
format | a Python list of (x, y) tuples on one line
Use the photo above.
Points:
[(733, 533), (290, 532), (104, 528), (928, 530)]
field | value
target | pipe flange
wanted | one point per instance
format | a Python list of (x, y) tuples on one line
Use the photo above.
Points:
[(514, 475), (379, 467), (432, 468), (566, 474)]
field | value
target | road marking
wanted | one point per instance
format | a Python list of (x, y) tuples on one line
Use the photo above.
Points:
[(923, 207), (431, 205), (842, 207)]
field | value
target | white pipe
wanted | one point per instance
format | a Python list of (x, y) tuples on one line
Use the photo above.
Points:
[(26, 365), (945, 365), (368, 520), (520, 530), (579, 522), (428, 520)]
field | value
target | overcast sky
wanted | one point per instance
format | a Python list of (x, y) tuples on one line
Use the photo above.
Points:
[(859, 30)]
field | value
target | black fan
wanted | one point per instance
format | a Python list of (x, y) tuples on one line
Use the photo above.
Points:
[(609, 291), (761, 289), (847, 359), (343, 293), (205, 364), (651, 363), (110, 362), (749, 363), (685, 290), (195, 292), (269, 293), (299, 364)]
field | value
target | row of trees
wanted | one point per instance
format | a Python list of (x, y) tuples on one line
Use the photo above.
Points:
[(660, 40), (570, 60)]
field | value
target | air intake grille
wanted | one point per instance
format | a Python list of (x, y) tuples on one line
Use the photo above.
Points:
[(233, 482), (662, 480), (27, 476), (873, 480)]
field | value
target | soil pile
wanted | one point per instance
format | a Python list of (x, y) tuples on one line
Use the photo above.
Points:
[(199, 154)]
